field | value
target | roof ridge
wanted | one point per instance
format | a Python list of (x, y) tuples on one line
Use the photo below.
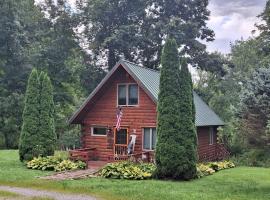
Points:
[(140, 66)]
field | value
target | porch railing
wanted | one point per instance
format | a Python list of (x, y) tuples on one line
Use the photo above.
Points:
[(136, 157)]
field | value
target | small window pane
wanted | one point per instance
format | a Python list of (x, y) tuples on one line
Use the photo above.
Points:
[(99, 131), (133, 95), (122, 95), (146, 138), (154, 138)]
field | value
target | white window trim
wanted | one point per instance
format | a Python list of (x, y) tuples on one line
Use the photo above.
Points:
[(151, 132), (97, 126), (211, 135), (127, 96)]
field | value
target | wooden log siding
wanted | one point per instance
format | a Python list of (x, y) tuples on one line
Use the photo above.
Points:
[(206, 150), (102, 112)]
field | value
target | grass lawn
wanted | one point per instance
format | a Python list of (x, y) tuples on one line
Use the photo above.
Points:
[(240, 183)]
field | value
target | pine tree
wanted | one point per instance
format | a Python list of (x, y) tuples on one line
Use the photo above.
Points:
[(46, 126), (29, 135)]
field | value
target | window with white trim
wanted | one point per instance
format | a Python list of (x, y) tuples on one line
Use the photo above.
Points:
[(98, 131), (127, 94), (149, 138), (211, 135)]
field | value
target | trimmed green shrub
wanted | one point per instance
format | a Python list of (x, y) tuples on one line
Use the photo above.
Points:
[(128, 170), (176, 150), (54, 163)]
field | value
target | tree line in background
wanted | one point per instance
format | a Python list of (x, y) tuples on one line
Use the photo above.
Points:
[(242, 96), (76, 46)]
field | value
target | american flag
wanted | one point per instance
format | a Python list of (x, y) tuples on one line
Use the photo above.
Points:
[(119, 115)]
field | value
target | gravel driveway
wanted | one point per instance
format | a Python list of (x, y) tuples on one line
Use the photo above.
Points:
[(42, 193)]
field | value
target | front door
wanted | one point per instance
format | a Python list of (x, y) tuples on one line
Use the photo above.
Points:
[(120, 142)]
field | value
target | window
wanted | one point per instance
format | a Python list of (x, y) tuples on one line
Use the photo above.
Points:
[(99, 131), (127, 94), (132, 95), (211, 135), (122, 100), (149, 138)]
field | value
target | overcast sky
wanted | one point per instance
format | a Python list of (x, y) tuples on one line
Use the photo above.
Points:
[(232, 20)]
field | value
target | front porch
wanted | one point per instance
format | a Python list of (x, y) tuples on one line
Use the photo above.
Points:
[(89, 155)]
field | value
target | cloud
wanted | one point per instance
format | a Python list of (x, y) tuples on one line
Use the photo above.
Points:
[(244, 7), (232, 20)]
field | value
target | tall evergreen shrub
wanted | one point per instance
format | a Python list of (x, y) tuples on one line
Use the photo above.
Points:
[(176, 144), (38, 132), (30, 128), (187, 120), (47, 127)]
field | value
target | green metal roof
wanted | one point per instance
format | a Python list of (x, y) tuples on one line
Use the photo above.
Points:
[(148, 79)]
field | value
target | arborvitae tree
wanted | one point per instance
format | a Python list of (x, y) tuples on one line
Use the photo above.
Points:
[(46, 126), (187, 119), (185, 73), (30, 129), (168, 150), (38, 130), (176, 144)]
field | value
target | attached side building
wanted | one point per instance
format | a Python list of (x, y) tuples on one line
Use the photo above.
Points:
[(135, 89)]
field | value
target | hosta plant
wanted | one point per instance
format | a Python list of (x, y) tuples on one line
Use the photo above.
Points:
[(54, 163), (128, 170)]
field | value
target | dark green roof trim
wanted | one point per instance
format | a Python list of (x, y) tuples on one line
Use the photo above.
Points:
[(148, 80)]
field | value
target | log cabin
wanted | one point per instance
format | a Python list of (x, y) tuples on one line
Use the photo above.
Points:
[(134, 89)]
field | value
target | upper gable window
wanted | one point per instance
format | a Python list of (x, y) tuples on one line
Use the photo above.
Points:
[(127, 94)]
